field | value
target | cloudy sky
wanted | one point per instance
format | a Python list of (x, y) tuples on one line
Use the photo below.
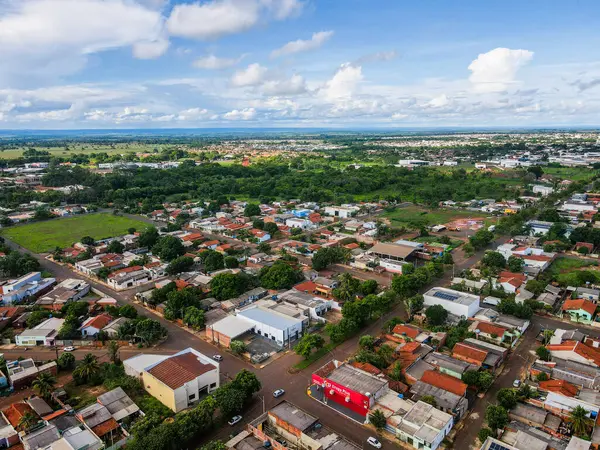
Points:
[(68, 64)]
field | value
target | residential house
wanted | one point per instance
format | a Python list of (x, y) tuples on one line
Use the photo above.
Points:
[(511, 282), (112, 328), (587, 293), (66, 291), (424, 426), (580, 310), (180, 380), (118, 403), (22, 373), (491, 332), (127, 278), (92, 326), (571, 350), (449, 365), (446, 401)]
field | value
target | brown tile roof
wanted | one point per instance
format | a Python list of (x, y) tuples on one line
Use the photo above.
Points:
[(97, 322), (105, 427), (406, 330), (466, 351), (490, 328), (583, 304), (369, 368), (559, 386), (444, 381), (178, 370)]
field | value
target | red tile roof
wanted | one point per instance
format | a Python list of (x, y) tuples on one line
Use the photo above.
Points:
[(559, 386), (490, 328), (192, 237), (405, 330), (97, 322), (579, 348), (583, 304), (466, 351), (537, 257), (210, 243), (366, 367), (444, 381), (352, 246), (410, 347), (125, 270), (178, 370), (105, 427), (307, 286)]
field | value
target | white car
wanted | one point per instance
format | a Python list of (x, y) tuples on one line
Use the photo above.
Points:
[(516, 383), (234, 420), (374, 442), (68, 349), (278, 393), (218, 358)]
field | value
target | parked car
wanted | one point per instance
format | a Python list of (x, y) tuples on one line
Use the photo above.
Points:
[(374, 442), (218, 358), (69, 349), (234, 420), (278, 393), (516, 383)]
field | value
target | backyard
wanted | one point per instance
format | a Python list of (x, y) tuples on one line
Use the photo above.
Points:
[(45, 236)]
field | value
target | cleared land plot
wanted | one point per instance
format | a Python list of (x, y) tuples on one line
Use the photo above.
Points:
[(45, 236), (565, 265), (417, 217)]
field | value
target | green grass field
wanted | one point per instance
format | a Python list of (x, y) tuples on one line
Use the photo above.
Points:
[(569, 173), (45, 236), (416, 216), (565, 265), (86, 148)]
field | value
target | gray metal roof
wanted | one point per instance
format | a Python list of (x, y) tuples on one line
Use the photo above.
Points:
[(118, 403), (356, 379), (529, 413), (41, 438), (447, 362), (94, 414), (291, 414), (269, 317)]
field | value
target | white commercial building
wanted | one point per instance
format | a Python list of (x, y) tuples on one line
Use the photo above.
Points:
[(340, 211), (455, 302), (43, 334), (26, 286), (279, 327)]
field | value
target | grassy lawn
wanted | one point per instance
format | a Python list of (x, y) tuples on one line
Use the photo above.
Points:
[(569, 173), (561, 265), (315, 356), (87, 148), (416, 216), (46, 236)]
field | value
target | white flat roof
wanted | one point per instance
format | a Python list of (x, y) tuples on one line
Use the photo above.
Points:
[(140, 362), (232, 326)]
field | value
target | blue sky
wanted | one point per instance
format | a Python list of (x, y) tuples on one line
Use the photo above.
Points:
[(297, 63)]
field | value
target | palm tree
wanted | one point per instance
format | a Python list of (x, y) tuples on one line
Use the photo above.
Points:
[(27, 421), (113, 351), (44, 384), (88, 367), (580, 422), (548, 333)]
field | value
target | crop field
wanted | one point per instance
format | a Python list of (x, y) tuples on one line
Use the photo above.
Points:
[(41, 237), (417, 217), (87, 148)]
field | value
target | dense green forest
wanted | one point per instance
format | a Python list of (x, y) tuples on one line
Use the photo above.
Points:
[(296, 178)]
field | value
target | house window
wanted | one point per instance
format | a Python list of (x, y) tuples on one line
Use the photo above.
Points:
[(273, 337), (192, 397), (213, 385)]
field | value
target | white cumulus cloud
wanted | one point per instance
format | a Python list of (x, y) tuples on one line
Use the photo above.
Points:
[(57, 35), (240, 114), (344, 83), (496, 70), (292, 86), (253, 75), (217, 18), (302, 45)]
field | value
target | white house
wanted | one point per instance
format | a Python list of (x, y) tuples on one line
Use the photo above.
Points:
[(126, 280), (424, 426), (179, 381), (112, 329), (93, 325), (455, 302), (542, 190), (298, 222)]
